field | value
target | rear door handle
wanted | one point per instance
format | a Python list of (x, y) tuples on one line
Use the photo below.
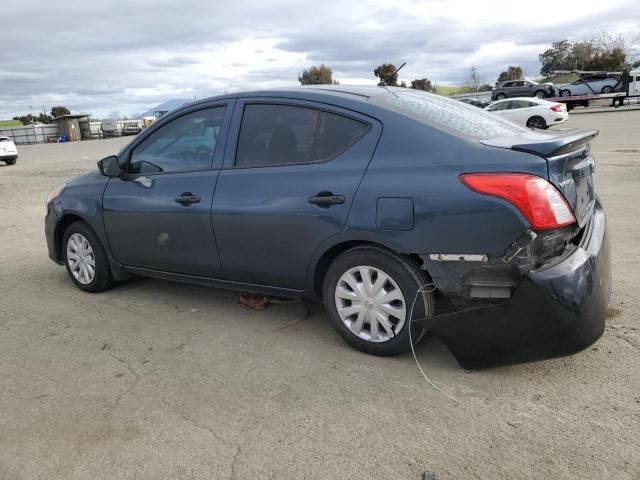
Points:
[(326, 199), (187, 198)]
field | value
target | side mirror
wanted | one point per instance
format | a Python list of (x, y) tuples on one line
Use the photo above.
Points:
[(109, 166)]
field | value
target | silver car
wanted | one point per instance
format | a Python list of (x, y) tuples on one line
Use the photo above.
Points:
[(587, 85)]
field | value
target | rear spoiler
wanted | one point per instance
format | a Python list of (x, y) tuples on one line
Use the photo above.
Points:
[(546, 144)]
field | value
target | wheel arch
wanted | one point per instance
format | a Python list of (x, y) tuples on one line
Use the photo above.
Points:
[(321, 265), (64, 223)]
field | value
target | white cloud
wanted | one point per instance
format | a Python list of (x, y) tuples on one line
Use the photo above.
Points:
[(127, 56)]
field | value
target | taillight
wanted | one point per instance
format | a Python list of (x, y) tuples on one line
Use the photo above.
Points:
[(557, 108), (541, 203)]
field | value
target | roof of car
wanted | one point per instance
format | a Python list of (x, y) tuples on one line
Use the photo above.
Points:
[(353, 92)]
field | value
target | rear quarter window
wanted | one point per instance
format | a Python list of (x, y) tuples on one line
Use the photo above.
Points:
[(447, 114), (337, 133)]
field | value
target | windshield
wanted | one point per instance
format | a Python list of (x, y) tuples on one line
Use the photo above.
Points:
[(447, 114)]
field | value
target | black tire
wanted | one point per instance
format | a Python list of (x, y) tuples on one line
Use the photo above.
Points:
[(407, 275), (537, 122), (565, 93), (11, 162), (540, 94), (607, 89), (501, 96), (103, 278)]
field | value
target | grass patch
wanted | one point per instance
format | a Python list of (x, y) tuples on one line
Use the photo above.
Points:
[(446, 90), (10, 123)]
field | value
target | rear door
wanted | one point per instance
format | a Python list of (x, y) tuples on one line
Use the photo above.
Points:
[(290, 174), (519, 89)]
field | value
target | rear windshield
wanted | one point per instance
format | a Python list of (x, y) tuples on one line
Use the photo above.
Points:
[(447, 114)]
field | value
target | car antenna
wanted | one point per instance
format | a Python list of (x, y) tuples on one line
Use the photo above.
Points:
[(383, 81)]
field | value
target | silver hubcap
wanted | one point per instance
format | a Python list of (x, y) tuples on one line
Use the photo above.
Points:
[(81, 259), (370, 303)]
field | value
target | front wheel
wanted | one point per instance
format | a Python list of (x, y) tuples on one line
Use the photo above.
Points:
[(11, 162), (540, 94), (371, 295), (565, 93), (501, 96), (537, 122), (86, 259), (607, 89)]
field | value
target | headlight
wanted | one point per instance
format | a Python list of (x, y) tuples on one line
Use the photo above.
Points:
[(55, 193)]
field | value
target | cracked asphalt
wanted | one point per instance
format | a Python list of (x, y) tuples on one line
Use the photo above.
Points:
[(161, 380)]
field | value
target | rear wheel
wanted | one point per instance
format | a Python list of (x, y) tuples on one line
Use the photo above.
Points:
[(501, 96), (369, 296), (537, 122), (607, 89), (86, 259), (11, 162)]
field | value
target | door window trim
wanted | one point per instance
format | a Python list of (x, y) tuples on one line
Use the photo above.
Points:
[(222, 138), (286, 103)]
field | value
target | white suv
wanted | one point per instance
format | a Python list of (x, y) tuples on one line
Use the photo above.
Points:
[(8, 151)]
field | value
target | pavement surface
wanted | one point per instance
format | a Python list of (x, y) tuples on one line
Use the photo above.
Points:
[(161, 380)]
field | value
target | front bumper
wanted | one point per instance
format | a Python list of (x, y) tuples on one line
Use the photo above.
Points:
[(8, 156), (555, 311), (50, 224)]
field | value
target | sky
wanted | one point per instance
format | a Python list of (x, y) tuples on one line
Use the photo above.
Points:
[(101, 57)]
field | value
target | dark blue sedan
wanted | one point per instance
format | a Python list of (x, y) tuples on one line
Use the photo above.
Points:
[(403, 211)]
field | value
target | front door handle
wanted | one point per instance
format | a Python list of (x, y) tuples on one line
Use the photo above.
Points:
[(187, 198), (326, 199)]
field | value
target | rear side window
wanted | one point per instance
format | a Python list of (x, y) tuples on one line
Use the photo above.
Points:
[(450, 115), (513, 104), (286, 135)]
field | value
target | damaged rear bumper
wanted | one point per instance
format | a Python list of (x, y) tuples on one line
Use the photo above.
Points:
[(555, 311)]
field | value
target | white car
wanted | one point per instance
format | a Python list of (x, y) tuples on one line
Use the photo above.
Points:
[(530, 111), (8, 151)]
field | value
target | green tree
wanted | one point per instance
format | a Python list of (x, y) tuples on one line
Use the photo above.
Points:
[(511, 73), (315, 75), (59, 111), (582, 54), (386, 72), (610, 61), (485, 87), (422, 84), (558, 57)]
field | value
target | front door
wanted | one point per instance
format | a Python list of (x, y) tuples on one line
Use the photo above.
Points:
[(289, 181), (157, 215)]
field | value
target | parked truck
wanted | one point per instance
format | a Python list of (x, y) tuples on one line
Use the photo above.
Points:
[(109, 129), (627, 86)]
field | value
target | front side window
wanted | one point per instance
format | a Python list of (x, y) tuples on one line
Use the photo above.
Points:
[(187, 143), (287, 135)]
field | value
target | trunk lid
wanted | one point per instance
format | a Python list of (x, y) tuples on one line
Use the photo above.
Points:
[(569, 160)]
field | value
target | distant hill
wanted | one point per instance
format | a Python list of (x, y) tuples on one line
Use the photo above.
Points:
[(168, 106)]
